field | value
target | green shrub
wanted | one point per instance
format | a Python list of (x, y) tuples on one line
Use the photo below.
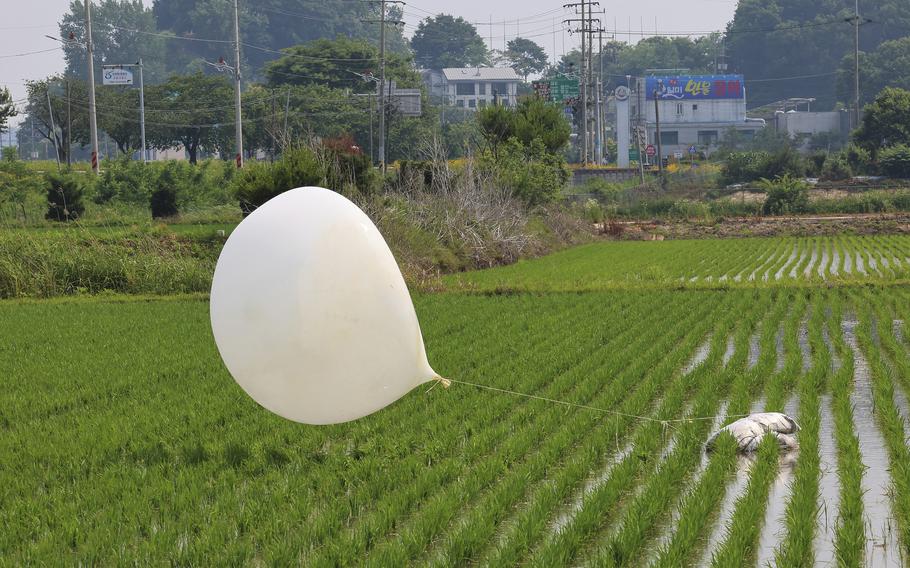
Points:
[(604, 190), (260, 181), (901, 201), (743, 167), (815, 163), (835, 168), (858, 158), (64, 196), (125, 180), (688, 209), (419, 172), (786, 195), (345, 169), (593, 211), (164, 199), (530, 173), (786, 162), (17, 183), (895, 161)]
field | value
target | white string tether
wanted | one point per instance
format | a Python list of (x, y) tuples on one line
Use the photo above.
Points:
[(447, 382)]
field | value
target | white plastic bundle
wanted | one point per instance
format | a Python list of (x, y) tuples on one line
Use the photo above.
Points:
[(750, 431)]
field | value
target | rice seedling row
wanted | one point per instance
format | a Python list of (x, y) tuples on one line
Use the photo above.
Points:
[(702, 497), (754, 262)]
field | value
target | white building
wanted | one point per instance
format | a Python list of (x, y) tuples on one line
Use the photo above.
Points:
[(695, 111), (799, 124), (472, 87)]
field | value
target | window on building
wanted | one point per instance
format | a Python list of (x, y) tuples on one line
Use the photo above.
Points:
[(472, 103), (694, 107), (679, 108), (464, 88), (459, 103), (500, 88), (747, 134), (707, 137), (669, 138)]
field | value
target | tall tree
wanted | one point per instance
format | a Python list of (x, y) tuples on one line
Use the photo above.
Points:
[(340, 63), (886, 122), (118, 116), (536, 119), (887, 66), (70, 114), (525, 57), (266, 26), (193, 110), (805, 41), (446, 41), (123, 32), (7, 108)]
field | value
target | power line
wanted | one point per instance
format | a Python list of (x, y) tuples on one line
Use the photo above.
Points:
[(795, 77), (23, 54), (301, 56), (169, 36)]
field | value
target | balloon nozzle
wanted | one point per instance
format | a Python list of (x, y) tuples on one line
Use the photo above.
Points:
[(446, 383)]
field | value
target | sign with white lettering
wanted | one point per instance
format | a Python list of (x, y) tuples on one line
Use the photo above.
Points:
[(116, 76)]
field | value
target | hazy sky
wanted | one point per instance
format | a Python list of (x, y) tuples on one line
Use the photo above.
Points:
[(28, 21)]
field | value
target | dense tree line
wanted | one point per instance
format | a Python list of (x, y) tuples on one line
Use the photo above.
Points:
[(807, 40)]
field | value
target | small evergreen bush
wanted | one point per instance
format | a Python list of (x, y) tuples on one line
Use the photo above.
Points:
[(65, 192)]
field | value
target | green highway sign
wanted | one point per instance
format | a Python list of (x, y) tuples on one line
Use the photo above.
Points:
[(633, 154), (562, 88)]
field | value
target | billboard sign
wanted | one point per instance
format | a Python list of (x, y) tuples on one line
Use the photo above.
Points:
[(695, 87), (117, 76), (542, 89)]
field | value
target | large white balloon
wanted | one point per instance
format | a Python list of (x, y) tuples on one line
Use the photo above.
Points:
[(311, 314)]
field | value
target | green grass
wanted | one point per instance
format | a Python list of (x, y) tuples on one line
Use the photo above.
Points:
[(124, 439)]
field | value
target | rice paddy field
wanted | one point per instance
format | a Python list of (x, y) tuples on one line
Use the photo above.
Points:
[(125, 441)]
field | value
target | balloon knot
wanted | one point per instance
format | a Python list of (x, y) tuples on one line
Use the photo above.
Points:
[(446, 383)]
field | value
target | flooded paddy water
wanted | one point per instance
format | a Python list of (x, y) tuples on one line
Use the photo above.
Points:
[(882, 547)]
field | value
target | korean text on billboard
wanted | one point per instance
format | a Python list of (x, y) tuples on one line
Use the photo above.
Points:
[(689, 87)]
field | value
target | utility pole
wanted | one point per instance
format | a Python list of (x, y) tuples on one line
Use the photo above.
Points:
[(69, 127), (584, 84), (92, 119), (382, 86), (50, 111), (587, 67), (382, 82), (856, 66), (660, 153), (237, 114), (600, 57), (145, 156)]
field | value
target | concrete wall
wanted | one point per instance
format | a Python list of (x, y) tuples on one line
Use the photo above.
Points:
[(688, 135), (685, 112), (796, 123)]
